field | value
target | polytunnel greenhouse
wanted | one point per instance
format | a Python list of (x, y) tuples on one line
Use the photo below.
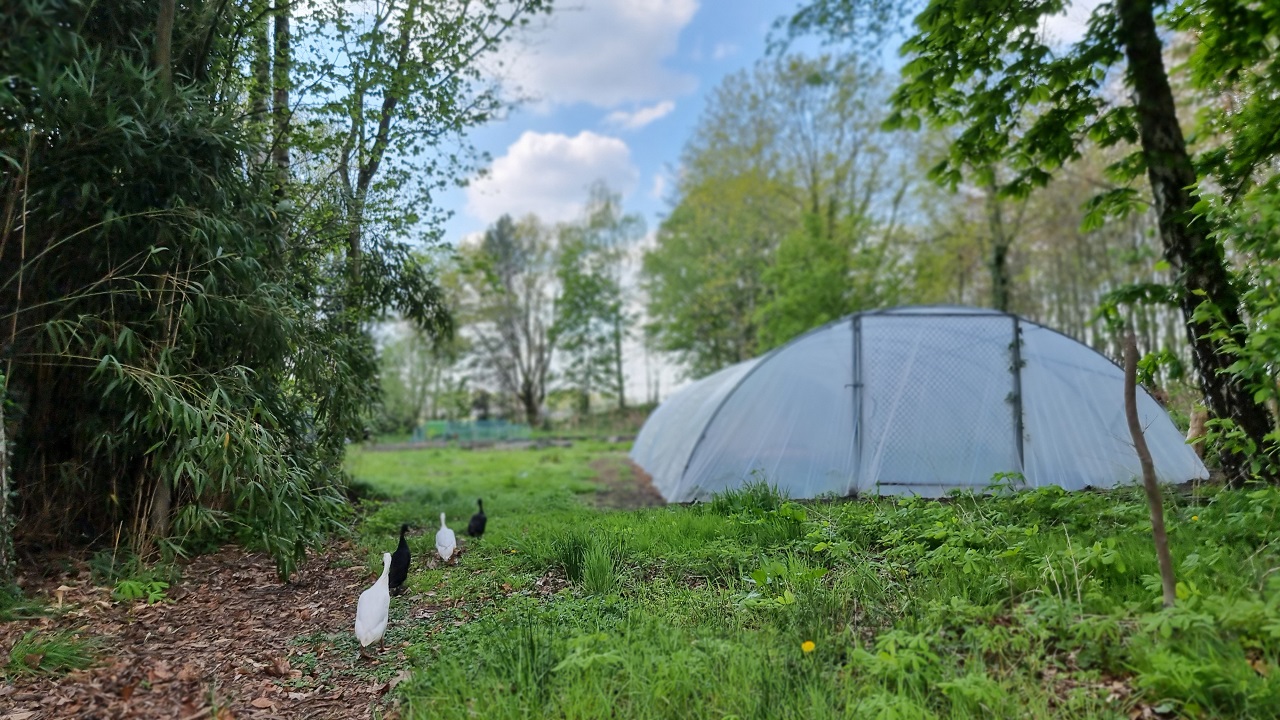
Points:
[(915, 400)]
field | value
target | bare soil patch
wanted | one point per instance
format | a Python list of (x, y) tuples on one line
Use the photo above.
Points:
[(623, 484), (221, 648)]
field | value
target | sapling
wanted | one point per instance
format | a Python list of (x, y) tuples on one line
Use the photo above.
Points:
[(1154, 500)]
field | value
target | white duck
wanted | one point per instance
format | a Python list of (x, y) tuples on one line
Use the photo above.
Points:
[(446, 542), (372, 609)]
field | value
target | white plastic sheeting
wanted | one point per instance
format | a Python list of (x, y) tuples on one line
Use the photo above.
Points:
[(909, 401)]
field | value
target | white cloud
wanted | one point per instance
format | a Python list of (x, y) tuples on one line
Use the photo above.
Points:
[(549, 174), (659, 186), (724, 50), (640, 118), (1069, 26), (603, 52)]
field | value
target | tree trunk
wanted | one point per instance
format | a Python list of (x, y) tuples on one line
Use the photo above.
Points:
[(6, 520), (620, 377), (260, 88), (280, 98), (381, 140), (161, 509), (163, 57), (529, 399), (1197, 260), (999, 251), (160, 499), (1154, 500)]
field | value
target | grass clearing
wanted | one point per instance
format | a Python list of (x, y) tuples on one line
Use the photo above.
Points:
[(1035, 604)]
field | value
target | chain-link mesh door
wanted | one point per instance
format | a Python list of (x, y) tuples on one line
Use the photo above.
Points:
[(938, 402)]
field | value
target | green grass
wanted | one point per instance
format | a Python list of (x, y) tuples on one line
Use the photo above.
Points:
[(48, 653), (1037, 604)]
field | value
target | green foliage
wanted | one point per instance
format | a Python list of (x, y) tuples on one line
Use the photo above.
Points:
[(129, 589), (414, 371), (14, 605), (785, 213), (1019, 100), (190, 286), (591, 321), (1249, 226), (395, 88), (824, 273)]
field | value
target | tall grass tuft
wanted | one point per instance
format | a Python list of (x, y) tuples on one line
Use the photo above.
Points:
[(569, 553), (526, 658), (40, 654), (601, 562), (756, 497)]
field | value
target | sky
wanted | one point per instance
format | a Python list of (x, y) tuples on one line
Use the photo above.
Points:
[(615, 88)]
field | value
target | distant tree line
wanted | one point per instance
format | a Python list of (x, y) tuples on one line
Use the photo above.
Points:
[(543, 309)]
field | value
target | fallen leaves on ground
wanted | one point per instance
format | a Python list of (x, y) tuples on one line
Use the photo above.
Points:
[(222, 648)]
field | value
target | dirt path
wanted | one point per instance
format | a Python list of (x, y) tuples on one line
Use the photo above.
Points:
[(222, 648), (623, 485)]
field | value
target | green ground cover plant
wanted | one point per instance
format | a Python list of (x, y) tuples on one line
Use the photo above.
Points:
[(1030, 604)]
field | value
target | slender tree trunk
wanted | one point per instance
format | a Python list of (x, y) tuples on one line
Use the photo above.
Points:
[(999, 251), (282, 59), (163, 57), (619, 376), (1197, 260), (381, 141), (6, 519), (529, 399), (1155, 502), (161, 499), (161, 509), (260, 88)]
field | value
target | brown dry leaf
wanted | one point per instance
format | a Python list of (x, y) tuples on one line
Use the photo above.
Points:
[(20, 715), (278, 666), (399, 678), (1260, 666), (225, 713), (188, 672), (262, 702), (126, 692), (33, 660), (159, 673)]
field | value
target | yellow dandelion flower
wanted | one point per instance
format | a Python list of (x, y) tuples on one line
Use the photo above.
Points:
[(807, 646), (1195, 518)]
